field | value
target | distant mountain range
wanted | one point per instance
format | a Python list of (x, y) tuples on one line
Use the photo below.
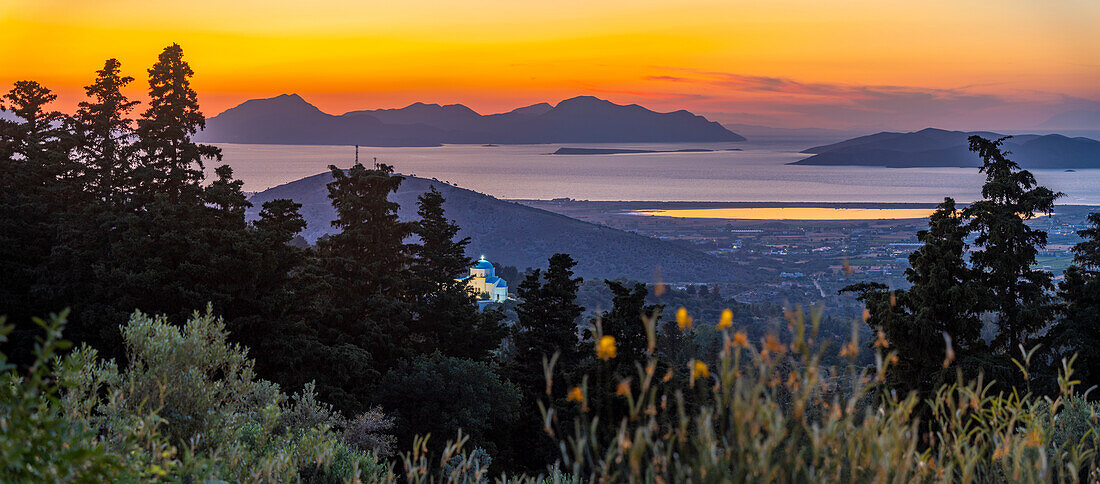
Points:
[(512, 234), (289, 119), (932, 147)]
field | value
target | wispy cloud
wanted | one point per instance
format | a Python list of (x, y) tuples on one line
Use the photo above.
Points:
[(733, 97)]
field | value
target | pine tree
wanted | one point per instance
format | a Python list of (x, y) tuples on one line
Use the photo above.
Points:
[(367, 262), (624, 322), (172, 163), (1078, 330), (943, 304), (105, 135), (946, 296), (35, 172), (1019, 296), (547, 320), (369, 253), (447, 318)]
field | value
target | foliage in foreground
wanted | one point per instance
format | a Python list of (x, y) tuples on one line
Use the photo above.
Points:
[(188, 407), (771, 412)]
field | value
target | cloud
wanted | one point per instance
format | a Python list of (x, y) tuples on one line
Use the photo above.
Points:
[(734, 97), (666, 78)]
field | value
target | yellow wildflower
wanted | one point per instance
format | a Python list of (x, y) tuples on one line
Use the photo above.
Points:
[(740, 339), (849, 349), (793, 382), (623, 389), (866, 315), (1034, 438), (605, 348), (576, 395), (699, 369), (949, 352), (772, 344), (880, 341), (683, 319), (726, 320)]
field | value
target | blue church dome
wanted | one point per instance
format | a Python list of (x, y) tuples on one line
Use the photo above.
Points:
[(483, 264)]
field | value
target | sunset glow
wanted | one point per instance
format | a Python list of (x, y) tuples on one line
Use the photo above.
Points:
[(793, 213), (971, 64)]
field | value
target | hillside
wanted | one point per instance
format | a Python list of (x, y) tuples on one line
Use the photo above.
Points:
[(289, 119), (512, 234), (932, 147)]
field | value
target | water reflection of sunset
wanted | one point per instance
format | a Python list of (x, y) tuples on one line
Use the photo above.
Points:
[(793, 213)]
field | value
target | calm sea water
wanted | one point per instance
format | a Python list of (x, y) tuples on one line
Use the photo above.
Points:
[(759, 173)]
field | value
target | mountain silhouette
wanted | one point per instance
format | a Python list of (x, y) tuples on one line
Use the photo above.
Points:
[(933, 147), (289, 119)]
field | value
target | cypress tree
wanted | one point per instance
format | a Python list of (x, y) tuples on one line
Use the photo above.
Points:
[(447, 319), (945, 296), (546, 324), (172, 163), (367, 261), (1018, 295), (944, 300), (369, 253), (163, 253), (104, 138), (105, 135)]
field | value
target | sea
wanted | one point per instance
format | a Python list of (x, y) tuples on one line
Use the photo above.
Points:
[(742, 172)]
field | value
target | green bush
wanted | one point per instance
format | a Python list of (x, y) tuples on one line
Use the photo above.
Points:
[(38, 444), (187, 406)]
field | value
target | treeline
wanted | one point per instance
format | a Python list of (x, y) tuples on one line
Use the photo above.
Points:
[(978, 305), (105, 212)]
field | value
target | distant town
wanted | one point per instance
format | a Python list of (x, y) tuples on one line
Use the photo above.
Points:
[(803, 261)]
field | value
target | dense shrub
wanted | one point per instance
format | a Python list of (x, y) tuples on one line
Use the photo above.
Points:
[(186, 406)]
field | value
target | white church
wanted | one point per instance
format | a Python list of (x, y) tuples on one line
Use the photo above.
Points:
[(483, 280)]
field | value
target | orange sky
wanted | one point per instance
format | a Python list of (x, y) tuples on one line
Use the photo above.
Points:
[(974, 63)]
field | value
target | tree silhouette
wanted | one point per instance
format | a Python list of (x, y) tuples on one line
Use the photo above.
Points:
[(1018, 295)]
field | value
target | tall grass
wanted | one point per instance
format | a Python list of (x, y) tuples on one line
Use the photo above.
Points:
[(770, 412), (763, 411)]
